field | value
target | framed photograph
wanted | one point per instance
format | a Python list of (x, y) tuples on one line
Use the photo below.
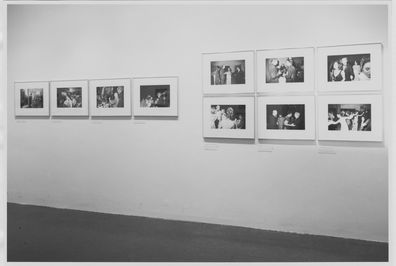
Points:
[(351, 118), (110, 97), (228, 72), (285, 70), (31, 99), (155, 96), (350, 68), (69, 98), (228, 117), (290, 117)]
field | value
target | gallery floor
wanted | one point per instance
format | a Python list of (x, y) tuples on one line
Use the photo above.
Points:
[(47, 234)]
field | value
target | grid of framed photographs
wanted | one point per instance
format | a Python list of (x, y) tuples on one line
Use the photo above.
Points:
[(101, 97), (341, 90)]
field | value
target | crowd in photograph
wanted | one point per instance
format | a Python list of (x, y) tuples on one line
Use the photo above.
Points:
[(225, 117), (288, 120), (285, 70), (349, 119), (161, 99), (31, 98), (69, 97), (223, 74), (110, 97), (349, 68)]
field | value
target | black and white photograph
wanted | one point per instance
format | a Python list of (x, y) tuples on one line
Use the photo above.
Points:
[(228, 116), (152, 96), (69, 97), (155, 96), (285, 70), (349, 117), (351, 67), (286, 117), (227, 72), (32, 98), (110, 97)]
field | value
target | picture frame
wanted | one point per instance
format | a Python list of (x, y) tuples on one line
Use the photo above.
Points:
[(350, 117), (285, 70), (155, 96), (231, 72), (69, 98), (291, 117), (110, 97), (31, 98), (228, 117), (349, 68)]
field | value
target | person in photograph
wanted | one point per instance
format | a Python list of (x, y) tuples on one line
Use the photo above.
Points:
[(272, 71), (222, 75), (213, 117), (227, 121), (281, 121), (332, 126), (239, 75), (162, 99), (114, 98), (290, 70), (240, 122), (289, 121), (272, 122), (365, 121), (216, 76), (228, 75), (298, 121), (147, 101), (365, 73), (65, 100), (336, 73), (356, 70), (347, 69)]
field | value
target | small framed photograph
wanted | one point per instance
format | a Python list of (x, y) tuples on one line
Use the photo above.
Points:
[(228, 72), (32, 99), (155, 96), (350, 68), (111, 97), (350, 118), (69, 98), (290, 117), (285, 70), (228, 117)]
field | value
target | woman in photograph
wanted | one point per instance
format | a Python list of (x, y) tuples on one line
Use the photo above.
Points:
[(66, 100), (356, 70), (227, 121), (336, 73), (365, 73), (228, 74), (289, 119), (114, 98), (146, 101)]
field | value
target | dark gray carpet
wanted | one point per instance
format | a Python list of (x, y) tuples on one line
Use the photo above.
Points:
[(48, 234)]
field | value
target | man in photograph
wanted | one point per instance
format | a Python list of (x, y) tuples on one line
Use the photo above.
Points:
[(272, 122), (272, 71), (348, 71), (298, 121), (290, 70)]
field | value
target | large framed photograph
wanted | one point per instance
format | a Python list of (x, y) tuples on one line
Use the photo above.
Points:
[(285, 70), (350, 118), (31, 99), (155, 96), (228, 117), (291, 117), (110, 97), (69, 98), (350, 68), (228, 72)]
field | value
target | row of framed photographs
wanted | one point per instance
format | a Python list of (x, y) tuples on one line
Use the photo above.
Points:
[(338, 68), (339, 117), (111, 97)]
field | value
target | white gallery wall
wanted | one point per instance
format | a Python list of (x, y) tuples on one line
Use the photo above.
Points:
[(163, 167)]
